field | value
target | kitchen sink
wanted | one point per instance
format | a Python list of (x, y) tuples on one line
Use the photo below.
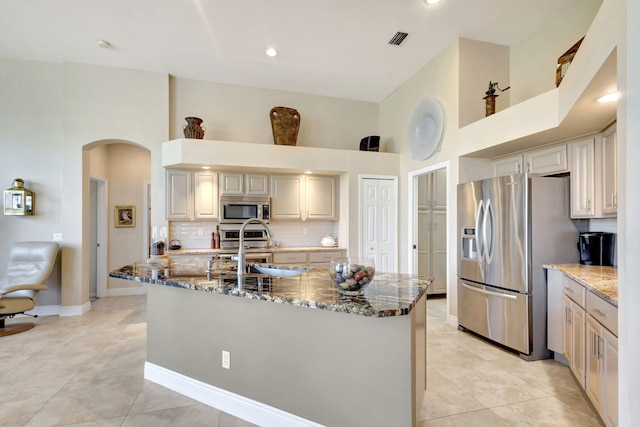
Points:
[(278, 270)]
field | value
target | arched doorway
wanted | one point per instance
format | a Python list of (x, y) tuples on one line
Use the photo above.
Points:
[(120, 173)]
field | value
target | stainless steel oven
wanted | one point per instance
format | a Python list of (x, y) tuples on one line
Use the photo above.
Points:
[(238, 209), (250, 256), (255, 239)]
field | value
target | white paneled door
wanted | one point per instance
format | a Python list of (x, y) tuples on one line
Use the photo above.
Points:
[(379, 221)]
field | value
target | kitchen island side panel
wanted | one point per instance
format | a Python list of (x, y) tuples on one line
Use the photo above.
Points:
[(332, 368)]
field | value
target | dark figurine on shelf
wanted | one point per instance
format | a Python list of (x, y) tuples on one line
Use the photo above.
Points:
[(492, 88)]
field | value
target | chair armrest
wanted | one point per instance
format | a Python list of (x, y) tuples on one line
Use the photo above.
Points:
[(25, 287)]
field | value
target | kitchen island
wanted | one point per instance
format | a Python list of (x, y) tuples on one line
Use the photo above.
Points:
[(299, 352)]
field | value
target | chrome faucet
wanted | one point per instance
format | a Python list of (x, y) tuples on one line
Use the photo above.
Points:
[(241, 257)]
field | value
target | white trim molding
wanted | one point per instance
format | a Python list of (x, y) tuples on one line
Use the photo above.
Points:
[(231, 403), (44, 310), (75, 310)]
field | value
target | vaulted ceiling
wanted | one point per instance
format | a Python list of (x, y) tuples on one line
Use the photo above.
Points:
[(335, 48)]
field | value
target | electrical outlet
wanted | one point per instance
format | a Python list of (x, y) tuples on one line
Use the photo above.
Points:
[(226, 359), (57, 237), (305, 231), (200, 232)]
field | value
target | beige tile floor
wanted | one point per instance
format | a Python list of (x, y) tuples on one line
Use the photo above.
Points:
[(88, 371), (472, 383)]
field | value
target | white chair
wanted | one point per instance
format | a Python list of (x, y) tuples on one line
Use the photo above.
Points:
[(29, 266)]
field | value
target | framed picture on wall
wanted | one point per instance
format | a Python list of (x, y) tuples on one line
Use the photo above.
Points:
[(125, 216)]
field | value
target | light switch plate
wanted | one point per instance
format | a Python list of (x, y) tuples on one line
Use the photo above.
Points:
[(226, 359)]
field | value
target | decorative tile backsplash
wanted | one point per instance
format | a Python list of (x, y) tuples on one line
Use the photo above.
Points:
[(197, 234)]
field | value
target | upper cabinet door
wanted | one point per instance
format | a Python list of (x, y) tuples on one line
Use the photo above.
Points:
[(320, 198), (582, 179), (608, 165), (547, 161), (287, 196), (231, 183), (178, 194), (206, 195), (507, 165), (256, 184), (439, 198)]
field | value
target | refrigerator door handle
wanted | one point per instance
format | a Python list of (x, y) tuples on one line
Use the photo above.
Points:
[(479, 221), (485, 292), (488, 231)]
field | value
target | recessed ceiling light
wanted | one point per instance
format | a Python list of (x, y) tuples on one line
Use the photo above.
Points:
[(610, 97), (431, 1), (271, 52), (103, 44)]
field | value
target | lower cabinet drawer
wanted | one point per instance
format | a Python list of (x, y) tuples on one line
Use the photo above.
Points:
[(603, 312), (324, 257), (290, 258), (574, 290)]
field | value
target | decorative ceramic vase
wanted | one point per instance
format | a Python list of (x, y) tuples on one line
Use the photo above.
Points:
[(193, 129), (285, 123), (490, 106)]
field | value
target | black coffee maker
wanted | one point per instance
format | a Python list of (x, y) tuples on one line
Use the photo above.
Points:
[(596, 248)]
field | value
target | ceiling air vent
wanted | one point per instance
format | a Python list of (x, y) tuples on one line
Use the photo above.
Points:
[(398, 38)]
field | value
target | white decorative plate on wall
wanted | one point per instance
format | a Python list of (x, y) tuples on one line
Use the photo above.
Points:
[(425, 129)]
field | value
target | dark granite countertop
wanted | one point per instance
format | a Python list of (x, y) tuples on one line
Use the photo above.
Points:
[(387, 295)]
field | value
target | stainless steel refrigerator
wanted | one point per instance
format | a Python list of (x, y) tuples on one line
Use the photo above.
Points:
[(508, 228)]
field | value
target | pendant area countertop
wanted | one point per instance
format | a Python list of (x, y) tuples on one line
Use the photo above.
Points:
[(389, 294)]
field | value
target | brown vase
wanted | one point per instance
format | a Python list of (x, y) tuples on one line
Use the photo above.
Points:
[(285, 123), (193, 129)]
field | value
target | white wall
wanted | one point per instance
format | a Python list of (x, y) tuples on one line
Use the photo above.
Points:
[(235, 113), (480, 63), (534, 59), (129, 167), (439, 80), (30, 148)]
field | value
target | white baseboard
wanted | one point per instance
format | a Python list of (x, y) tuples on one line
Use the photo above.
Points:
[(45, 310), (123, 292), (452, 320), (75, 310), (60, 310), (231, 403)]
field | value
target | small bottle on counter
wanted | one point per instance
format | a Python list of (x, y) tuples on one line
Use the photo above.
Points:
[(216, 238), (213, 240)]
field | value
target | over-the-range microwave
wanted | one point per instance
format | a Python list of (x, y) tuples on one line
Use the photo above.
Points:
[(238, 209)]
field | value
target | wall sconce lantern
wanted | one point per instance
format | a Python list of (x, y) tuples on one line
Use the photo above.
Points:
[(18, 200)]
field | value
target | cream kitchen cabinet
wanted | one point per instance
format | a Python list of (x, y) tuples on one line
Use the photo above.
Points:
[(191, 195), (547, 161), (311, 258), (303, 197), (602, 358), (287, 196), (247, 184), (607, 165), (321, 259), (583, 203), (291, 258), (544, 161), (573, 302), (593, 176), (432, 230), (507, 165)]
